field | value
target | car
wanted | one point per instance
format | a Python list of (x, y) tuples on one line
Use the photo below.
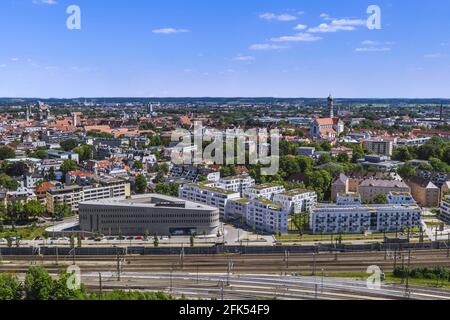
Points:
[(3, 241), (130, 238), (138, 238), (37, 238), (110, 238)]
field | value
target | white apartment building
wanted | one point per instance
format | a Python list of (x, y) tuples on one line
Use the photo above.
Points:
[(236, 184), (354, 219), (445, 209), (351, 198), (401, 198), (263, 191), (73, 195), (267, 216), (209, 194), (296, 201), (380, 146), (236, 209)]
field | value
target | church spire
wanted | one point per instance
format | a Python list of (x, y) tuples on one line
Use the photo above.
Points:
[(331, 106)]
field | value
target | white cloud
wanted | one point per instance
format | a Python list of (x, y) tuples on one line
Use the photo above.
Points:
[(14, 59), (326, 16), (435, 55), (374, 46), (266, 46), (49, 2), (373, 49), (327, 28), (3, 65), (301, 27), (299, 37), (244, 58), (169, 31), (280, 17), (349, 22)]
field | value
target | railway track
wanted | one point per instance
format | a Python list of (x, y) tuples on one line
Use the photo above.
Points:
[(265, 263)]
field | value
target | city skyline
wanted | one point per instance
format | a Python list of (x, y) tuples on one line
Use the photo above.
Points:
[(228, 49)]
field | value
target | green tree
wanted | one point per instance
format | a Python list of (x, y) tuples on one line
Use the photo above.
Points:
[(61, 210), (343, 158), (402, 154), (168, 189), (380, 199), (8, 183), (138, 165), (155, 241), (141, 184), (40, 154), (69, 144), (10, 287), (406, 171), (68, 165), (33, 209), (85, 152), (38, 284), (7, 153)]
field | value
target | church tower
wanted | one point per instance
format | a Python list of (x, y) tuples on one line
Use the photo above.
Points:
[(331, 106)]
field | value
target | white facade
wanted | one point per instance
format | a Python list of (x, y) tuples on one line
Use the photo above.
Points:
[(72, 196), (267, 216), (445, 209), (400, 198), (236, 209), (345, 199), (296, 201), (236, 184), (334, 219), (208, 194), (264, 191)]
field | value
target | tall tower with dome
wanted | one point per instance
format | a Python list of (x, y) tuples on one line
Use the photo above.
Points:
[(331, 106)]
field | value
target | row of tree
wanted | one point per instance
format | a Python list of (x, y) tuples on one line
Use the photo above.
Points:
[(39, 285)]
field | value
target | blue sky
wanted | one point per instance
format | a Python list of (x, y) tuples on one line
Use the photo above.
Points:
[(253, 48)]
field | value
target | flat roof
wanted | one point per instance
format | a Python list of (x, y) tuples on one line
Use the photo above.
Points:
[(150, 200)]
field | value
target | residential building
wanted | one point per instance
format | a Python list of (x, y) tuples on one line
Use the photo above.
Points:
[(351, 198), (236, 209), (263, 191), (207, 193), (237, 184), (296, 201), (380, 146), (267, 216), (73, 195), (400, 198), (370, 189), (63, 155), (341, 185), (354, 219), (445, 209), (425, 192)]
